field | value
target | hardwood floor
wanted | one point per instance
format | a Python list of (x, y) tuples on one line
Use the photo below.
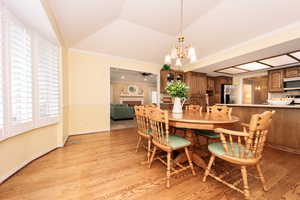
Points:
[(105, 166)]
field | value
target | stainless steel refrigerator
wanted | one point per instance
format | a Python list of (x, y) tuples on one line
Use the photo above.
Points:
[(227, 94)]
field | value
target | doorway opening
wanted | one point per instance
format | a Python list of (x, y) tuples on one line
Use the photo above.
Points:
[(129, 88)]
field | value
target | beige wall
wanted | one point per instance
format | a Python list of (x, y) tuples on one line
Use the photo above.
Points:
[(118, 86), (89, 89), (15, 152)]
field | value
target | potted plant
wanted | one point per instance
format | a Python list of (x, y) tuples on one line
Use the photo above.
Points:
[(166, 67), (177, 90)]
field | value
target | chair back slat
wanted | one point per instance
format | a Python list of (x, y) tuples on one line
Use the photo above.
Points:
[(252, 144), (150, 106), (159, 123), (141, 119), (194, 108), (222, 109)]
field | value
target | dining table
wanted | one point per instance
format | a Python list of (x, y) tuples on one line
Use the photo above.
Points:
[(195, 120)]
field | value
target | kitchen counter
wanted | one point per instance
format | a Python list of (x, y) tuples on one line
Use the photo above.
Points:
[(284, 132), (296, 106)]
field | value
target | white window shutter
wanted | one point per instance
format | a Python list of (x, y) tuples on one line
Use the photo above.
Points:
[(48, 82), (29, 78), (20, 61), (1, 75)]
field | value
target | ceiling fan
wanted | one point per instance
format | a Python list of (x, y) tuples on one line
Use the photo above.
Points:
[(146, 75)]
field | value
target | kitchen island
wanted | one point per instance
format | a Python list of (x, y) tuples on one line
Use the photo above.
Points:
[(284, 133)]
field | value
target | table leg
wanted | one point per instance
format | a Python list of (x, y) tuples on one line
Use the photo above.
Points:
[(194, 156)]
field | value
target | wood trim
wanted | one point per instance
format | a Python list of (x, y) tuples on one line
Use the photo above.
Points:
[(265, 64), (293, 57), (260, 62), (89, 132)]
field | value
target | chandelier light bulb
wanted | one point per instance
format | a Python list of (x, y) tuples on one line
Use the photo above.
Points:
[(193, 58), (168, 59), (191, 52), (178, 62)]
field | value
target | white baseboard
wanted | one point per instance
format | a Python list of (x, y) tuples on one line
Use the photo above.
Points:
[(88, 132), (64, 142), (23, 164)]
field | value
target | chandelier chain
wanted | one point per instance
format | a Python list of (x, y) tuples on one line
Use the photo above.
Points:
[(181, 19)]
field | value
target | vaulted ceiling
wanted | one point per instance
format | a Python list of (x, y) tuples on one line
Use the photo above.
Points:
[(146, 29)]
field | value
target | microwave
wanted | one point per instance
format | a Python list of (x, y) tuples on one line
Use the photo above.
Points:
[(291, 83)]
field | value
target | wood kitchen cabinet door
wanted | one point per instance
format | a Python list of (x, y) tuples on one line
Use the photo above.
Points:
[(210, 83), (276, 81), (197, 83), (292, 72)]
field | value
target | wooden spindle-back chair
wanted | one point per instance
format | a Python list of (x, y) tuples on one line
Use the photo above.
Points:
[(150, 106), (194, 108), (222, 109), (144, 130), (242, 148), (215, 109), (162, 139)]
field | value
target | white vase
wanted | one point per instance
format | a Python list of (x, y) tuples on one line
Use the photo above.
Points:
[(177, 107)]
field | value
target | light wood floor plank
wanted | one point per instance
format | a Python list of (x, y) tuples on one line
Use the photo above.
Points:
[(105, 166)]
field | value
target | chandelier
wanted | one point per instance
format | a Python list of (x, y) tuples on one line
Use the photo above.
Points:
[(181, 51)]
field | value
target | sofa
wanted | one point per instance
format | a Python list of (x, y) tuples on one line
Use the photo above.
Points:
[(121, 112)]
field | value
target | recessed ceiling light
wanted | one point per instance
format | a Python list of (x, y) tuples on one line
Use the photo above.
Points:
[(232, 71), (253, 66), (279, 60), (296, 54)]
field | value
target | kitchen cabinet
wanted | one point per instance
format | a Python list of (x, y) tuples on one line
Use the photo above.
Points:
[(276, 80), (197, 83), (210, 84), (198, 99), (292, 72), (168, 76)]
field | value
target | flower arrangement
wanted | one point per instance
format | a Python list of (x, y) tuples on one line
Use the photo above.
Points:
[(177, 89)]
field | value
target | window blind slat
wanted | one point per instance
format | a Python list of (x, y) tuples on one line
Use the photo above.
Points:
[(48, 79)]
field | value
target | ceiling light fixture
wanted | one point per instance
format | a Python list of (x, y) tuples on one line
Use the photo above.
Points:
[(181, 51)]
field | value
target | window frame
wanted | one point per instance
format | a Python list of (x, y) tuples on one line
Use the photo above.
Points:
[(9, 129)]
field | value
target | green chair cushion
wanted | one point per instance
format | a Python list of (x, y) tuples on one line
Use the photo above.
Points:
[(207, 133), (149, 131), (177, 142), (218, 149)]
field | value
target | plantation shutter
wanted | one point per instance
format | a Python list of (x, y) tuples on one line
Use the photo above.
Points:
[(19, 51), (1, 75), (48, 81)]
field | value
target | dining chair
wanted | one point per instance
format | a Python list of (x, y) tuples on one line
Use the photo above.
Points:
[(209, 134), (222, 109), (159, 122), (143, 128), (244, 148), (150, 106), (194, 108)]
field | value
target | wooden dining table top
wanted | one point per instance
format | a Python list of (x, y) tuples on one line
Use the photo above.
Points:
[(202, 117)]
